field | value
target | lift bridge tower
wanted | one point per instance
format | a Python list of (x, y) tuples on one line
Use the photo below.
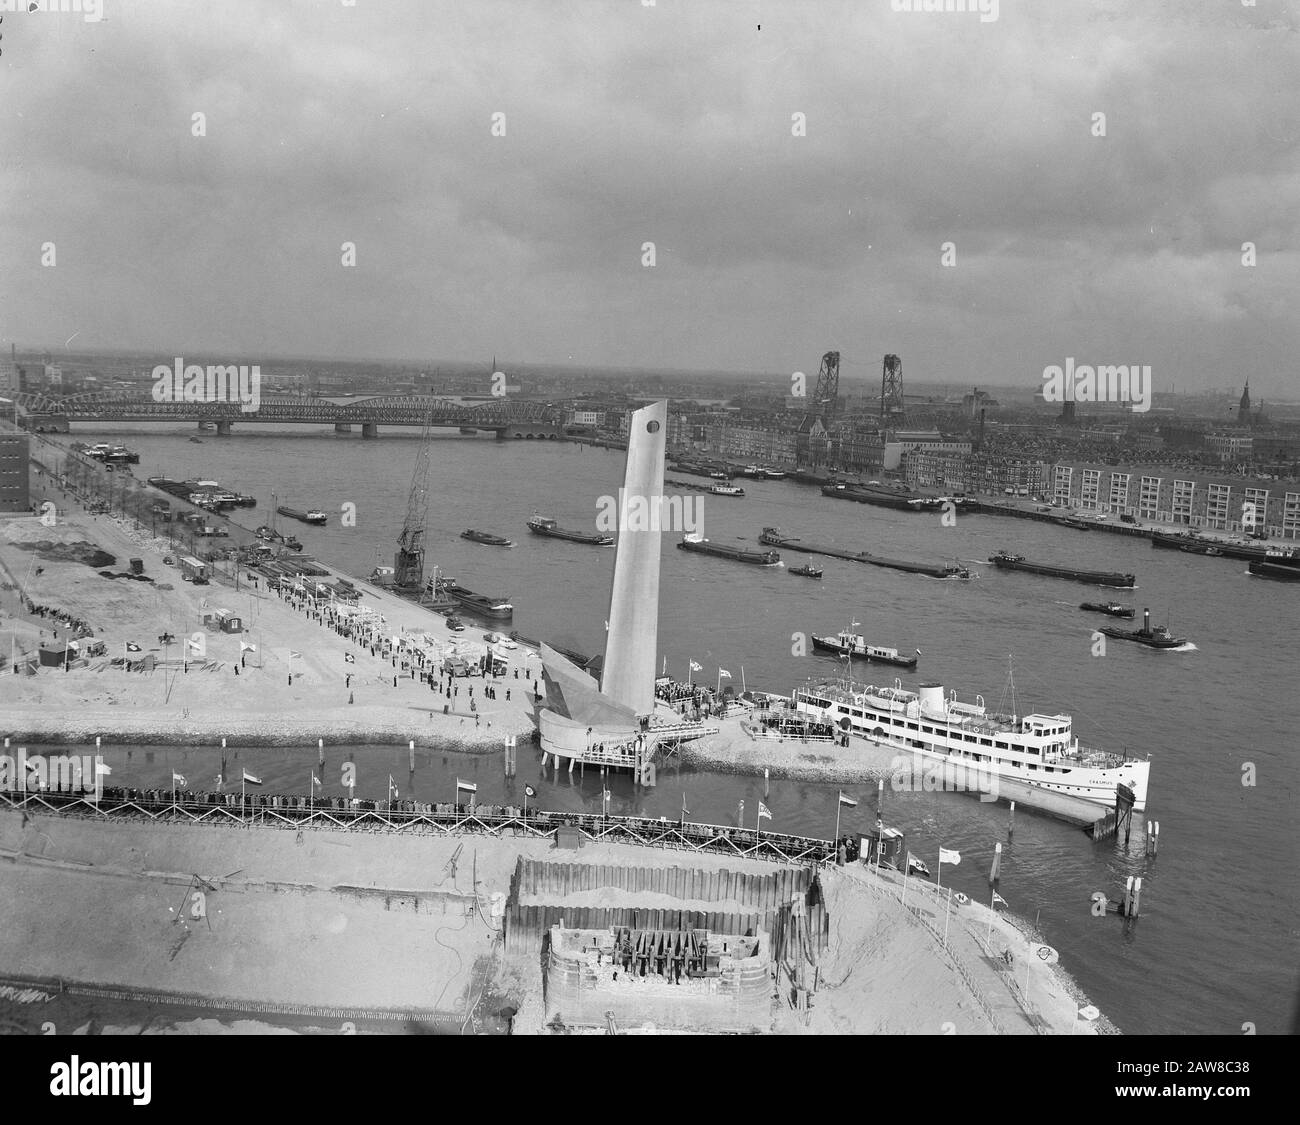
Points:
[(408, 563), (825, 398), (891, 393)]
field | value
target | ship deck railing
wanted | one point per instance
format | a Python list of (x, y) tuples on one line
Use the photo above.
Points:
[(1092, 756)]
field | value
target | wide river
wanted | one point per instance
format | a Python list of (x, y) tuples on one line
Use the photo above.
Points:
[(1216, 946)]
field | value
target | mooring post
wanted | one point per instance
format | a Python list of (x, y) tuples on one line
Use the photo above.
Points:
[(880, 797), (1137, 896), (765, 786), (1128, 895), (410, 747), (1011, 821), (320, 749), (1153, 837)]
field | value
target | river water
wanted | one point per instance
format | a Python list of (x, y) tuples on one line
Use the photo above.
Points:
[(1216, 945)]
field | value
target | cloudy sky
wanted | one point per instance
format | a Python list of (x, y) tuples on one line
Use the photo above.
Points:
[(672, 124)]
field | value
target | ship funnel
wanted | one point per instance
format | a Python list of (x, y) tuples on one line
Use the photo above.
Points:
[(931, 698), (1146, 620)]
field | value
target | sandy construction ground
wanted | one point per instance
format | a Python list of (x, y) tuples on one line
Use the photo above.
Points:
[(329, 918), (210, 701)]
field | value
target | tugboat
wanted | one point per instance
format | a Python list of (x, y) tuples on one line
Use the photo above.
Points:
[(1113, 609), (853, 644), (807, 570), (726, 490), (1158, 637), (702, 546), (540, 525), (484, 537)]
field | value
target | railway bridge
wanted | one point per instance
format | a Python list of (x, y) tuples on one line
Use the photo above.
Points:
[(508, 418)]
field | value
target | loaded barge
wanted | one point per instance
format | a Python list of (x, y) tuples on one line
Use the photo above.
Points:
[(207, 493), (540, 525), (1196, 545), (483, 604), (1276, 571), (1003, 560), (773, 537), (702, 546), (314, 516), (898, 498)]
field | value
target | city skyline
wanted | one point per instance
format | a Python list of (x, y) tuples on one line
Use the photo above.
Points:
[(811, 176)]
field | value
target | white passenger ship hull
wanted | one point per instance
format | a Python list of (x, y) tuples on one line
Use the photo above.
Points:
[(960, 746)]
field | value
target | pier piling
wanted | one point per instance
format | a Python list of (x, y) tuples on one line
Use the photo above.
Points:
[(1153, 832), (1011, 821), (765, 785), (410, 748)]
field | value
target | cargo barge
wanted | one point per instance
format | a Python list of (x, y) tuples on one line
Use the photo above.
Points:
[(898, 499), (1006, 561), (1196, 545), (702, 546), (1275, 571), (313, 516), (209, 493), (540, 525), (487, 538), (773, 537), (483, 604)]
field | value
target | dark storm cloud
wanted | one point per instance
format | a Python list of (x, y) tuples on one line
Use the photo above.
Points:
[(672, 124)]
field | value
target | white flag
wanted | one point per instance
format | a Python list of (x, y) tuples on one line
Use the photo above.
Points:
[(315, 780), (724, 674), (102, 768), (764, 811), (952, 857), (998, 899), (177, 779), (696, 667), (244, 646), (251, 779)]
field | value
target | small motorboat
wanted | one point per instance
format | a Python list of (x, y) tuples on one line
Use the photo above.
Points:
[(807, 570), (1111, 609), (455, 624)]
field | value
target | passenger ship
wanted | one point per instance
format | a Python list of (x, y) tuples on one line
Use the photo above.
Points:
[(1036, 750)]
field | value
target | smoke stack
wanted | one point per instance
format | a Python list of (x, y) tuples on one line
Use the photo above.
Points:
[(1146, 620)]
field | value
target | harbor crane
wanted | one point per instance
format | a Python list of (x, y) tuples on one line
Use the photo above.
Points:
[(408, 563)]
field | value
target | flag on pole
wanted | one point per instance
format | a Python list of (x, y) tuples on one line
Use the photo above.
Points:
[(471, 786), (251, 779), (998, 900), (950, 857), (849, 801), (764, 811), (724, 674), (392, 788), (244, 646), (133, 647), (696, 667), (177, 779), (316, 780), (219, 781), (295, 655), (529, 791), (102, 768)]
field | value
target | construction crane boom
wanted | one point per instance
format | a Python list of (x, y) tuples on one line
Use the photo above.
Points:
[(408, 563)]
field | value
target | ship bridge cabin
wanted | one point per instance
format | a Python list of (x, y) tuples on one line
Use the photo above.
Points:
[(926, 722)]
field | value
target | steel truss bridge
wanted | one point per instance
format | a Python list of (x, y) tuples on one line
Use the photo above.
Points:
[(420, 818), (508, 417)]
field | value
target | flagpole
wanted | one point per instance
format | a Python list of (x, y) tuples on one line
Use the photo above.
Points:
[(907, 871), (743, 687), (946, 908), (988, 936), (836, 841), (311, 793)]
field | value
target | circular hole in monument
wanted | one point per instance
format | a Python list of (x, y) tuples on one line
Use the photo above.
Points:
[(652, 427)]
